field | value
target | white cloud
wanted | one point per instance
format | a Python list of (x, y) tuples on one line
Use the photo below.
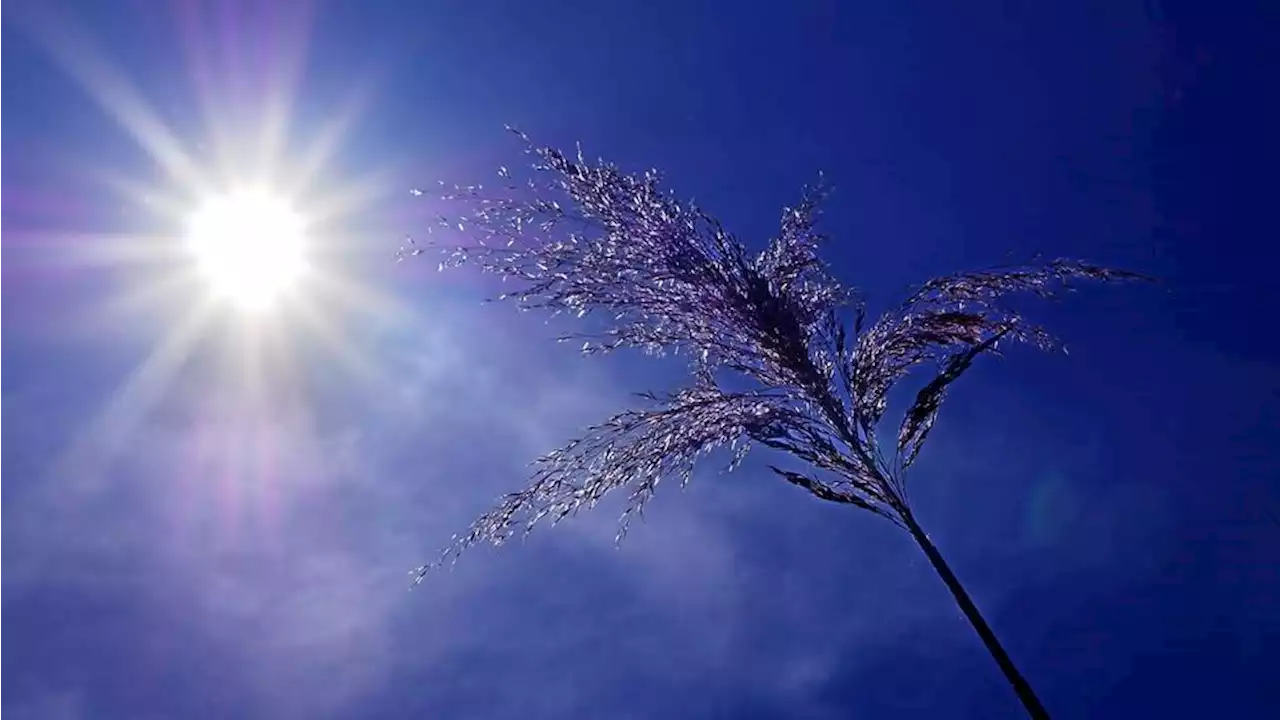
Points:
[(288, 539)]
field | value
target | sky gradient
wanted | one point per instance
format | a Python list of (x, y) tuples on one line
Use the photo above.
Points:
[(206, 518)]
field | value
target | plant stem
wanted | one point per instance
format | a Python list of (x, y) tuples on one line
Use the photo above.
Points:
[(1020, 685)]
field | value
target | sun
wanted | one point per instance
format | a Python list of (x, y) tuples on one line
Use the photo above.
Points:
[(249, 245)]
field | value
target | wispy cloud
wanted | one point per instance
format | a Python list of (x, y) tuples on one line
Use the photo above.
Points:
[(286, 537)]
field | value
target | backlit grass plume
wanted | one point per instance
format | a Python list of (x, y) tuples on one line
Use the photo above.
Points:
[(780, 353)]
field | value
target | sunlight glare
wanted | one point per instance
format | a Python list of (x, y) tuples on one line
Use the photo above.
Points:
[(248, 245)]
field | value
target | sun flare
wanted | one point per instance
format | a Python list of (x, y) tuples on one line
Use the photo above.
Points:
[(249, 245), (224, 240)]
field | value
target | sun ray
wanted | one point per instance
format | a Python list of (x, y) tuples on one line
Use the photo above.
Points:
[(332, 297), (350, 196), (80, 57), (323, 147), (165, 290), (285, 73), (359, 366), (108, 250), (93, 452), (362, 298), (169, 205)]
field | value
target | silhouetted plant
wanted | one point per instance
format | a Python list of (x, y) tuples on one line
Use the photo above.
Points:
[(662, 275)]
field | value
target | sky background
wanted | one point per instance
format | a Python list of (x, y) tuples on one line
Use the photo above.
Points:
[(204, 521)]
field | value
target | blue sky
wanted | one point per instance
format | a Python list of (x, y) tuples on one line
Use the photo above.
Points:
[(219, 522)]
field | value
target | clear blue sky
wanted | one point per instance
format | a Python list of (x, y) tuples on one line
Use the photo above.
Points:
[(190, 534)]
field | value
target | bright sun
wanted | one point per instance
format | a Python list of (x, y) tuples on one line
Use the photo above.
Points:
[(248, 245)]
